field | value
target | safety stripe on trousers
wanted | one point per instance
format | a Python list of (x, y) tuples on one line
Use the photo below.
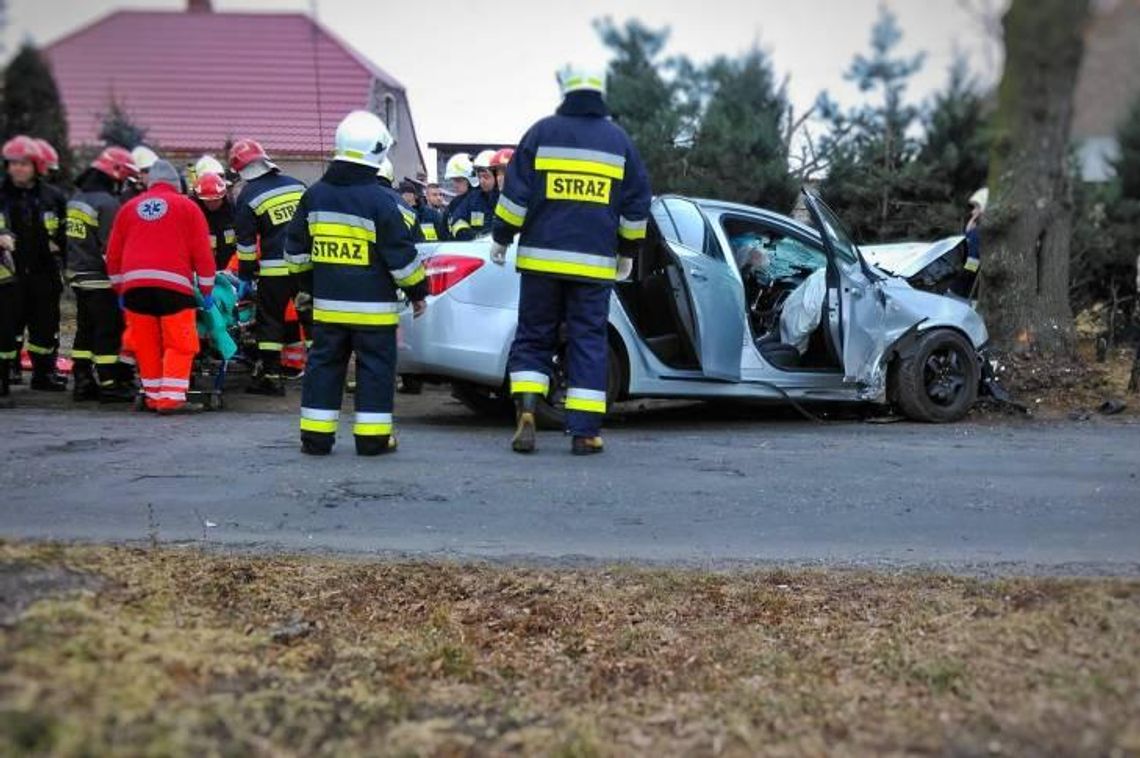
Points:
[(322, 420), (590, 401), (273, 267), (529, 381), (372, 424), (151, 273), (356, 312)]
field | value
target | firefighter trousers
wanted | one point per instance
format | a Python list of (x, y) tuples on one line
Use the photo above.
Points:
[(164, 347), (37, 310), (98, 334), (325, 372), (9, 308), (545, 303), (274, 293)]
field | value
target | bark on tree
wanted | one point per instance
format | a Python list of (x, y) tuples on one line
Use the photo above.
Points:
[(1025, 274)]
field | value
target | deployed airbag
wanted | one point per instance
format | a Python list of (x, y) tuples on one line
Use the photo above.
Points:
[(802, 311)]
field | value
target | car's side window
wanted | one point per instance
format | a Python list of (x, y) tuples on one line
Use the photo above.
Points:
[(777, 253), (692, 230)]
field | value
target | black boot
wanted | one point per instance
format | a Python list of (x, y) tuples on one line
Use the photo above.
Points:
[(317, 443), (84, 386), (375, 445), (15, 371), (115, 392), (525, 431), (5, 380), (44, 376)]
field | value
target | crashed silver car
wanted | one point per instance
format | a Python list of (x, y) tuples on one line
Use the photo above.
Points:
[(725, 301)]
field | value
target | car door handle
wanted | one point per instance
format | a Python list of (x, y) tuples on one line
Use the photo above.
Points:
[(700, 277)]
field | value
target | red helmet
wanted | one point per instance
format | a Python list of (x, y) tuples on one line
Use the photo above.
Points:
[(502, 157), (50, 156), (245, 152), (24, 148), (210, 187), (117, 163)]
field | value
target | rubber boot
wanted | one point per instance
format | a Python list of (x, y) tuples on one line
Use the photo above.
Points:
[(525, 430), (116, 392), (317, 443), (84, 386), (381, 445), (44, 376), (587, 446), (5, 381)]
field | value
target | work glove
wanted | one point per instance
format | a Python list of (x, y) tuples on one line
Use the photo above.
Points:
[(498, 253), (624, 268), (207, 302), (303, 302)]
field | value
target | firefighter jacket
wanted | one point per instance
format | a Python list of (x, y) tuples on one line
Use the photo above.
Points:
[(350, 248), (223, 231), (90, 215), (428, 219), (263, 211), (473, 216), (34, 216), (160, 240), (578, 193)]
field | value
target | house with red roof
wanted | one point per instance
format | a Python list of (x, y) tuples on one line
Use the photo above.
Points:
[(197, 78)]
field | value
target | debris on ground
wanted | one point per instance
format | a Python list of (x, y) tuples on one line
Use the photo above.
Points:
[(291, 632)]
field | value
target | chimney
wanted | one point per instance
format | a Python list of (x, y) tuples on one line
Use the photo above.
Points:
[(199, 6)]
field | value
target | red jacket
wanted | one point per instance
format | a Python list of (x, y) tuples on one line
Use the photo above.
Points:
[(160, 239)]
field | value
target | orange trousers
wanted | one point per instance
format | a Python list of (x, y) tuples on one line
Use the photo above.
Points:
[(164, 348)]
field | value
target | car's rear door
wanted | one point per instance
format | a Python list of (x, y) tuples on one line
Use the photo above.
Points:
[(714, 294)]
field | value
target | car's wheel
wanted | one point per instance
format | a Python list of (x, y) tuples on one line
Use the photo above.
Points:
[(937, 382), (550, 413)]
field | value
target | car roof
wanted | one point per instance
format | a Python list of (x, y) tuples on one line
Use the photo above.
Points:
[(710, 204)]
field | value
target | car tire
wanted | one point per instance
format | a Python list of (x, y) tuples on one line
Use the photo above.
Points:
[(937, 381), (550, 413)]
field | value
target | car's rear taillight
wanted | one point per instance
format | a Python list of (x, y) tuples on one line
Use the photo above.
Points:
[(446, 271)]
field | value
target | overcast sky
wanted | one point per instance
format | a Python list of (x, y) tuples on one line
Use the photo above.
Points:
[(477, 70)]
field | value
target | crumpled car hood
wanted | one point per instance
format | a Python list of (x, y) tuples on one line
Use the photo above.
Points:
[(906, 259)]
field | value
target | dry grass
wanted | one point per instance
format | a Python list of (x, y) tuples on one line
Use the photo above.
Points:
[(175, 654)]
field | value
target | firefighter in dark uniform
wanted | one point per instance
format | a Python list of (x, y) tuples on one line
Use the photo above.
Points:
[(350, 249), (460, 173), (427, 218), (99, 320), (472, 218), (263, 210), (33, 214), (210, 195), (384, 176), (579, 194)]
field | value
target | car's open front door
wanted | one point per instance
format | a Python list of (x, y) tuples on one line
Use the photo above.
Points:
[(855, 304), (714, 294)]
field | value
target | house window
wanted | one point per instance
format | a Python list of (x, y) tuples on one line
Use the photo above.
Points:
[(390, 115)]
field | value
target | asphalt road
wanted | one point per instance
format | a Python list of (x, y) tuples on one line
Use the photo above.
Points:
[(678, 484)]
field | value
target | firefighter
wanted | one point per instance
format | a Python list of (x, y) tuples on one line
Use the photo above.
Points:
[(143, 158), (385, 175), (263, 210), (211, 197), (499, 162), (99, 321), (579, 194), (50, 159), (460, 173), (473, 216), (159, 251), (32, 214), (427, 218), (350, 249)]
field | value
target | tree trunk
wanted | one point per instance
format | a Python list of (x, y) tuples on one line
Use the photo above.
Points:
[(1025, 276)]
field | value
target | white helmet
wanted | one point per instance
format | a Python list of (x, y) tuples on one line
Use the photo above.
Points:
[(459, 167), (483, 159), (386, 171), (144, 157), (981, 198), (362, 138), (208, 164), (573, 78)]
